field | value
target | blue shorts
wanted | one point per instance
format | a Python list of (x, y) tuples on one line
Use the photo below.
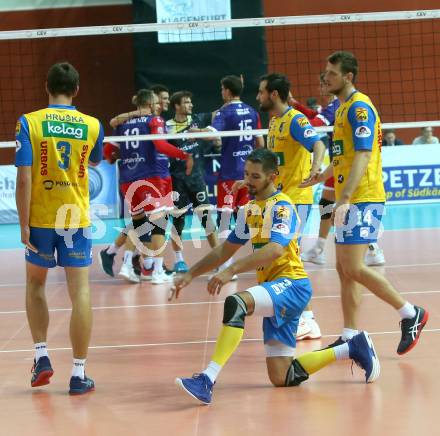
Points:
[(72, 249), (362, 224), (289, 297)]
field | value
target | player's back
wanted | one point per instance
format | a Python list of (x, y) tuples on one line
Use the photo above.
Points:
[(236, 116), (137, 158), (61, 140)]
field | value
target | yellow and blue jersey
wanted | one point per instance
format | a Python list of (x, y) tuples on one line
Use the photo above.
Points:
[(58, 142), (291, 137), (271, 220), (357, 127)]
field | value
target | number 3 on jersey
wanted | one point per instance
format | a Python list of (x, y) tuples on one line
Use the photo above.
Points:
[(65, 150)]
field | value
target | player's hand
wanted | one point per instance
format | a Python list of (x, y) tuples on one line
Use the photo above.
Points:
[(314, 178), (219, 280), (291, 101), (189, 165), (180, 282), (237, 186), (340, 213), (25, 236)]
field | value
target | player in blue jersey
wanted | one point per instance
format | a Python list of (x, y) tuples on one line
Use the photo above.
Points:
[(55, 145), (142, 181), (233, 115)]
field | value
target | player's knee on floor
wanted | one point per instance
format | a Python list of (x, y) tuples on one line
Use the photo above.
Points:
[(296, 374), (141, 227), (235, 311), (326, 208)]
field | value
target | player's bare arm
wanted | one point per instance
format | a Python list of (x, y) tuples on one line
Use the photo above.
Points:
[(23, 201), (321, 177), (122, 118), (258, 259), (212, 260)]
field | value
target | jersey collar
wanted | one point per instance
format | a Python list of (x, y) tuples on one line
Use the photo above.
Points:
[(61, 106), (351, 95)]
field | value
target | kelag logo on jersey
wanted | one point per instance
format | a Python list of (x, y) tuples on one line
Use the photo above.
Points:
[(57, 129)]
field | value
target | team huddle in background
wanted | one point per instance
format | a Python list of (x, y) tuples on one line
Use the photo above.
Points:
[(264, 195)]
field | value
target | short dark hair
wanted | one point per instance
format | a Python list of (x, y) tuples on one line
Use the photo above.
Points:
[(158, 88), (277, 82), (62, 79), (177, 97), (234, 84), (268, 159), (347, 61), (143, 97)]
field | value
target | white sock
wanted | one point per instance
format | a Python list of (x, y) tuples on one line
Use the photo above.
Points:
[(158, 264), (320, 243), (212, 371), (112, 249), (128, 255), (40, 350), (308, 314), (342, 352), (179, 256), (407, 311), (347, 334), (78, 368), (148, 262)]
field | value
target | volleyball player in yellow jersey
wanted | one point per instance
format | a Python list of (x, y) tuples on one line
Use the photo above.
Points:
[(55, 145), (360, 197), (282, 292), (292, 138)]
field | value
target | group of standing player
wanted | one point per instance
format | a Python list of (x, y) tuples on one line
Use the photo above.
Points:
[(55, 145)]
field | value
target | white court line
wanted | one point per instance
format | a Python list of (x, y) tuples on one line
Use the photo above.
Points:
[(196, 303), (109, 280), (171, 344)]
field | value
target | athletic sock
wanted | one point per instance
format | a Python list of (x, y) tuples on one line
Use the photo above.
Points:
[(40, 350), (112, 249), (342, 352), (179, 256), (158, 264), (78, 368), (314, 361), (148, 262), (128, 256), (347, 334), (407, 311), (213, 370)]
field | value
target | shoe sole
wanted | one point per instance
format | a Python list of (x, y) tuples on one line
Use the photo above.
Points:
[(414, 343), (123, 276), (81, 392), (102, 267), (179, 383), (43, 378), (314, 261), (375, 372), (308, 337)]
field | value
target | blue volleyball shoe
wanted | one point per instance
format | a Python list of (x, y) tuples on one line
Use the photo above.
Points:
[(41, 372), (79, 386), (199, 386), (361, 350)]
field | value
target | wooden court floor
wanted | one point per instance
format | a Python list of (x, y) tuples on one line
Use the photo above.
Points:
[(141, 343)]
